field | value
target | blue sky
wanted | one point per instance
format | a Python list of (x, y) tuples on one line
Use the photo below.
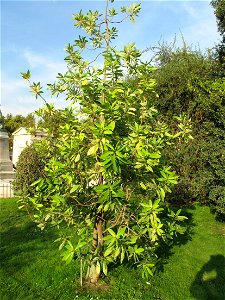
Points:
[(35, 33)]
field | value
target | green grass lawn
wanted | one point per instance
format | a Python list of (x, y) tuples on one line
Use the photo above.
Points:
[(31, 266)]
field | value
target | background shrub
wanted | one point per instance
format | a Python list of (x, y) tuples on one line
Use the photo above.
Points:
[(30, 167), (186, 84)]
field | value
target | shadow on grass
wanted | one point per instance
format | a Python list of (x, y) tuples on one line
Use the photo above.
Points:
[(167, 250), (209, 283), (19, 243)]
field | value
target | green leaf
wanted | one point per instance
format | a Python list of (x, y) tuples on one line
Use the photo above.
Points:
[(67, 256), (93, 150), (74, 188), (108, 251), (36, 89), (178, 212), (101, 188), (26, 75), (116, 253), (162, 193), (149, 271), (98, 267), (69, 246), (81, 244), (122, 255), (112, 232), (104, 268), (133, 240), (121, 231), (138, 165), (115, 168), (41, 226), (156, 203), (120, 91), (182, 218), (111, 126), (106, 207), (154, 155), (22, 206), (139, 250), (143, 186), (36, 182), (108, 132), (77, 158), (62, 245)]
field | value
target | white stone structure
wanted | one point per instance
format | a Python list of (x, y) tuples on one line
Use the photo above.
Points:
[(6, 166), (7, 173), (22, 138)]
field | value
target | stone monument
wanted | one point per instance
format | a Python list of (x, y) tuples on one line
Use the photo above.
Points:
[(6, 167)]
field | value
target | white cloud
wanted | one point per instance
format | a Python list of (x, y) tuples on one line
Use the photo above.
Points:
[(201, 32), (43, 66), (16, 97), (11, 86), (204, 32), (191, 10)]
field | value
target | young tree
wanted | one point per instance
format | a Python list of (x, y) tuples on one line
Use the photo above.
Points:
[(108, 177)]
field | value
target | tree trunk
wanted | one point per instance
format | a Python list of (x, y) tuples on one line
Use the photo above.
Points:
[(94, 271), (93, 274)]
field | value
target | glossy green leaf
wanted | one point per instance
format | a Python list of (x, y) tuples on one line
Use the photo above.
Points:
[(108, 252), (92, 150), (74, 189), (112, 232), (77, 158)]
